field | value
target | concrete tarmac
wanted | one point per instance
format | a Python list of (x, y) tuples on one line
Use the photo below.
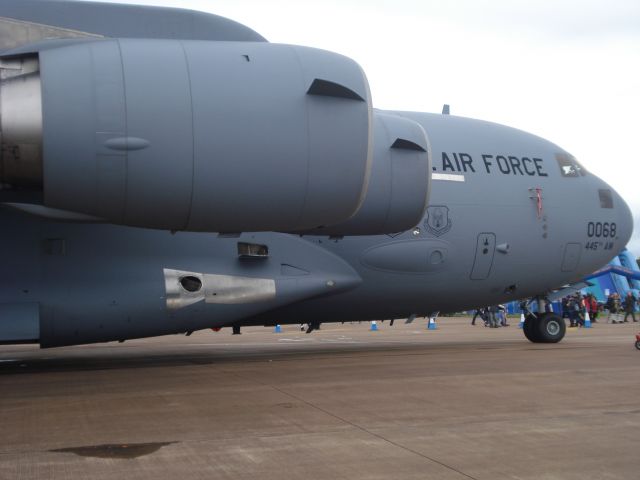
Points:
[(459, 402)]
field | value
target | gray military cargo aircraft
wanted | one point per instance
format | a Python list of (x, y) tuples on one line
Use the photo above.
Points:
[(164, 171)]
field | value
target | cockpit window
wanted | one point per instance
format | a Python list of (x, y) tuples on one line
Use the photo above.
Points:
[(606, 199), (569, 166)]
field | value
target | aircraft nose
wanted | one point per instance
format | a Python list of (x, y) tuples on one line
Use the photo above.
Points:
[(624, 219)]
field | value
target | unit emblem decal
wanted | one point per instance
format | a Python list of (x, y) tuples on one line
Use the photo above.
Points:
[(437, 222)]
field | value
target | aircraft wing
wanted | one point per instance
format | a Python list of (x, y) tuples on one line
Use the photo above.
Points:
[(28, 21)]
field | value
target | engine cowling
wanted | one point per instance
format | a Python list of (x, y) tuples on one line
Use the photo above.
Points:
[(207, 136), (201, 136)]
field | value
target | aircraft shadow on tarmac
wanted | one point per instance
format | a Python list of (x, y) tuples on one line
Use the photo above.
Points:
[(116, 358)]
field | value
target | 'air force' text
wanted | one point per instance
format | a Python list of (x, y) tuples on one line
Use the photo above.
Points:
[(505, 164)]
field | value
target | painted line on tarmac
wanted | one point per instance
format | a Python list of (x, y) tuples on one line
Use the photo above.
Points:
[(341, 342)]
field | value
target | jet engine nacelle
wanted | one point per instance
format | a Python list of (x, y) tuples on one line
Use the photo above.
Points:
[(400, 180), (189, 135)]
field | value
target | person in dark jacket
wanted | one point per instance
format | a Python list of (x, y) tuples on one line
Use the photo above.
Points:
[(630, 306), (573, 305), (480, 312), (565, 308), (580, 309)]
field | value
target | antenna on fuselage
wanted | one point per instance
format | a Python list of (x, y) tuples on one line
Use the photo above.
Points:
[(445, 109)]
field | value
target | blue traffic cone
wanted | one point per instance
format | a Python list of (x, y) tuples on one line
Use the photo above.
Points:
[(587, 320), (521, 324), (278, 329), (432, 324), (374, 326)]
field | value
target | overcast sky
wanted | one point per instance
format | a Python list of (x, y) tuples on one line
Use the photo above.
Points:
[(567, 70)]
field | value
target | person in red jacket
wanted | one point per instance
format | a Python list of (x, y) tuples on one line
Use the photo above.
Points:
[(592, 307)]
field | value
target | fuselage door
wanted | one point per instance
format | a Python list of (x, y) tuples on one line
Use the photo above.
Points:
[(485, 248), (571, 257)]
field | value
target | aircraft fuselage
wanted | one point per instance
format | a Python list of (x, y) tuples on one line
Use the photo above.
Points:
[(511, 215)]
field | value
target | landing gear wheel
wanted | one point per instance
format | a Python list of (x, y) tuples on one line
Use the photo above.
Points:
[(547, 328), (551, 328), (638, 344), (529, 328)]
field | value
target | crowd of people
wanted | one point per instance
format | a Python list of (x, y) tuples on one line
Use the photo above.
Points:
[(574, 309), (494, 316), (575, 306), (616, 307)]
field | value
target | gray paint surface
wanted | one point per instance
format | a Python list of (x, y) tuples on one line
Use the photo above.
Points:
[(19, 322)]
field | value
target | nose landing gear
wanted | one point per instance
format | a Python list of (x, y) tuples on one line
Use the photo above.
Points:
[(544, 328)]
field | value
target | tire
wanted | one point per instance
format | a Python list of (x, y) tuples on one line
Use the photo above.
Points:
[(638, 344), (529, 328), (550, 328), (547, 328)]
